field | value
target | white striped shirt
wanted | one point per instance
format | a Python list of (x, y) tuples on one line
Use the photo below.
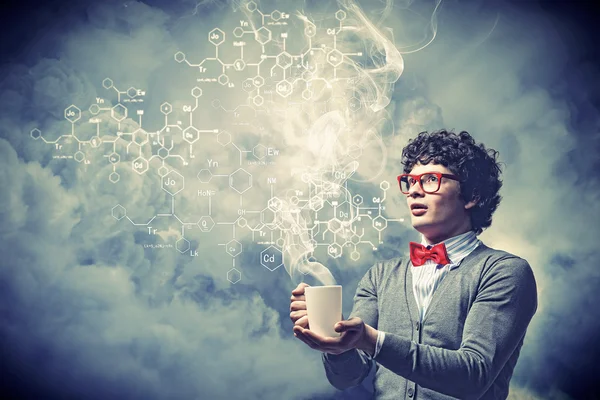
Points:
[(427, 277)]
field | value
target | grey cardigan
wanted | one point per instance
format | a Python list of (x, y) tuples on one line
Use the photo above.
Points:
[(470, 338)]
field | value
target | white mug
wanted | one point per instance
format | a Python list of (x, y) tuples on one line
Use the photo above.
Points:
[(324, 308)]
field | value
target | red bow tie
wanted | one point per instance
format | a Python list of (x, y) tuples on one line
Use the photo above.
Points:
[(419, 254)]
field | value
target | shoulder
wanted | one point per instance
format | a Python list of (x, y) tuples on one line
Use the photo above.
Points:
[(501, 264)]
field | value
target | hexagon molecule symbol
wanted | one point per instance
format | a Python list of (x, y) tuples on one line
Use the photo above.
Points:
[(114, 177), (239, 64), (258, 81), (172, 183), (206, 223), (119, 112), (163, 152), (238, 32), (132, 92), (36, 133), (107, 83), (275, 204), (262, 35), (316, 203), (247, 85), (204, 175), (335, 57), (196, 92), (224, 138), (268, 218), (234, 276), (166, 108), (72, 114), (79, 156), (179, 57), (259, 151), (284, 60), (380, 223), (191, 134), (284, 88), (114, 158), (216, 36), (118, 212), (310, 30), (182, 245), (162, 171), (276, 15), (334, 225), (223, 79), (258, 100), (233, 248), (140, 138), (140, 165), (240, 180), (271, 258), (95, 141), (94, 109), (334, 250)]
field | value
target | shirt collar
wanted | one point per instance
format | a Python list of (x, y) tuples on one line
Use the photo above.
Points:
[(458, 247)]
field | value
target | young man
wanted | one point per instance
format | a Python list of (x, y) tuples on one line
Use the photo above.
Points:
[(448, 321)]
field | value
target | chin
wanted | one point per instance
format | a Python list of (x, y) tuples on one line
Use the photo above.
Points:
[(423, 227), (418, 223)]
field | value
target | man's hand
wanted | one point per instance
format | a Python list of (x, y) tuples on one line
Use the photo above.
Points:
[(354, 334), (298, 306)]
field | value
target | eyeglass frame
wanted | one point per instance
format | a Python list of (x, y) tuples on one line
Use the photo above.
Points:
[(417, 178)]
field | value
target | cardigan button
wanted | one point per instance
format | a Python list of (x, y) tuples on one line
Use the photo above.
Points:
[(417, 325), (410, 392)]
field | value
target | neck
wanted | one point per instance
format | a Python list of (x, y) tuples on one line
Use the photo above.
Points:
[(439, 237)]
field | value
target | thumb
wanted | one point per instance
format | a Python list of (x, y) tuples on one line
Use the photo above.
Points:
[(344, 326)]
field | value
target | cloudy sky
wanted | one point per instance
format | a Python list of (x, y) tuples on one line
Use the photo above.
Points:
[(94, 304)]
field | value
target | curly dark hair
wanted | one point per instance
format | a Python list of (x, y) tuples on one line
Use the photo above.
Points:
[(476, 166)]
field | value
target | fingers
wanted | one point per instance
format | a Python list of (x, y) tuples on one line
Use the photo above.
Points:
[(305, 338), (296, 315), (297, 298), (299, 291), (303, 322), (324, 344), (297, 305), (348, 325), (299, 316), (352, 322)]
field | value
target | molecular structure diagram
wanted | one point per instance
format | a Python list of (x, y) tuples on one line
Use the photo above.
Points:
[(272, 78)]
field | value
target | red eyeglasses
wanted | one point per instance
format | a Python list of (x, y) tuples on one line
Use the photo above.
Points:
[(430, 181)]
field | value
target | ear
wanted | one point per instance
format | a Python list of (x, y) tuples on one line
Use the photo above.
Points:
[(473, 202)]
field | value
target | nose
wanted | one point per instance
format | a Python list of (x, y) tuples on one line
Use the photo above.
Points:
[(416, 190)]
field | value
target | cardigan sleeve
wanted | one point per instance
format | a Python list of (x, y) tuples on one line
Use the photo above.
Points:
[(350, 368), (495, 325)]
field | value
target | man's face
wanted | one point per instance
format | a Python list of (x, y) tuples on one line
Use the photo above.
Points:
[(446, 213)]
